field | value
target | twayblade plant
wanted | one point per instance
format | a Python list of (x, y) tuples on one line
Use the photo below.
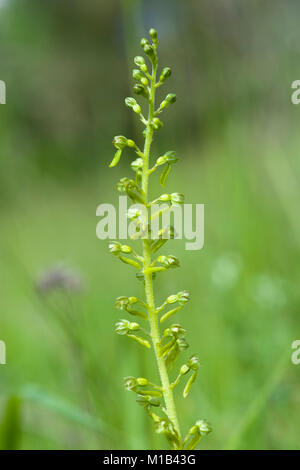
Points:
[(157, 399)]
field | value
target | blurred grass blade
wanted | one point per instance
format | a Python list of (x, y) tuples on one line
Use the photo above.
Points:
[(10, 425), (62, 407), (259, 403)]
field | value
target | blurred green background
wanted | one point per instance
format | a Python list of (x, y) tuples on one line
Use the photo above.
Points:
[(67, 66)]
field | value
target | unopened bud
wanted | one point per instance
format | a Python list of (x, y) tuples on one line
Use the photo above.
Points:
[(144, 81), (137, 164), (137, 109), (153, 35), (184, 369), (172, 299), (126, 249), (144, 42), (130, 143), (157, 124), (139, 61), (136, 74), (130, 102), (149, 51), (166, 73), (164, 198), (139, 89), (142, 382), (171, 98)]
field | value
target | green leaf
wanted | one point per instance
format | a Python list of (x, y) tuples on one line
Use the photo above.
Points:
[(164, 175), (190, 382), (10, 425), (116, 158), (62, 407), (130, 261)]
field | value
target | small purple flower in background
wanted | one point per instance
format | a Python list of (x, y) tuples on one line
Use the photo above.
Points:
[(59, 276)]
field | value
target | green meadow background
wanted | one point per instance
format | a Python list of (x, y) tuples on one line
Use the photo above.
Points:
[(67, 66)]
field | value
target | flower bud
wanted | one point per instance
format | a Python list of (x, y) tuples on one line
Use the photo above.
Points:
[(130, 384), (146, 400), (171, 156), (130, 102), (161, 160), (204, 427), (164, 198), (168, 261), (144, 81), (172, 299), (139, 89), (139, 61), (130, 143), (137, 164), (177, 198), (137, 109), (135, 192), (171, 98), (157, 124), (163, 426), (183, 297), (121, 185), (182, 344), (168, 157), (142, 382), (125, 185), (144, 42), (114, 248), (184, 369), (166, 73), (177, 330), (194, 362), (123, 327), (126, 249), (121, 303), (149, 51), (153, 35), (133, 212), (136, 74), (120, 141)]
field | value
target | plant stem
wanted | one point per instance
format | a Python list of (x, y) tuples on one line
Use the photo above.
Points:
[(153, 317)]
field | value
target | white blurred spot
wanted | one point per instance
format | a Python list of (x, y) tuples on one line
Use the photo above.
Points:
[(269, 292), (226, 271)]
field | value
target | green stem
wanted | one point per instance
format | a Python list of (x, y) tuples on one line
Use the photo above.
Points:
[(153, 317)]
